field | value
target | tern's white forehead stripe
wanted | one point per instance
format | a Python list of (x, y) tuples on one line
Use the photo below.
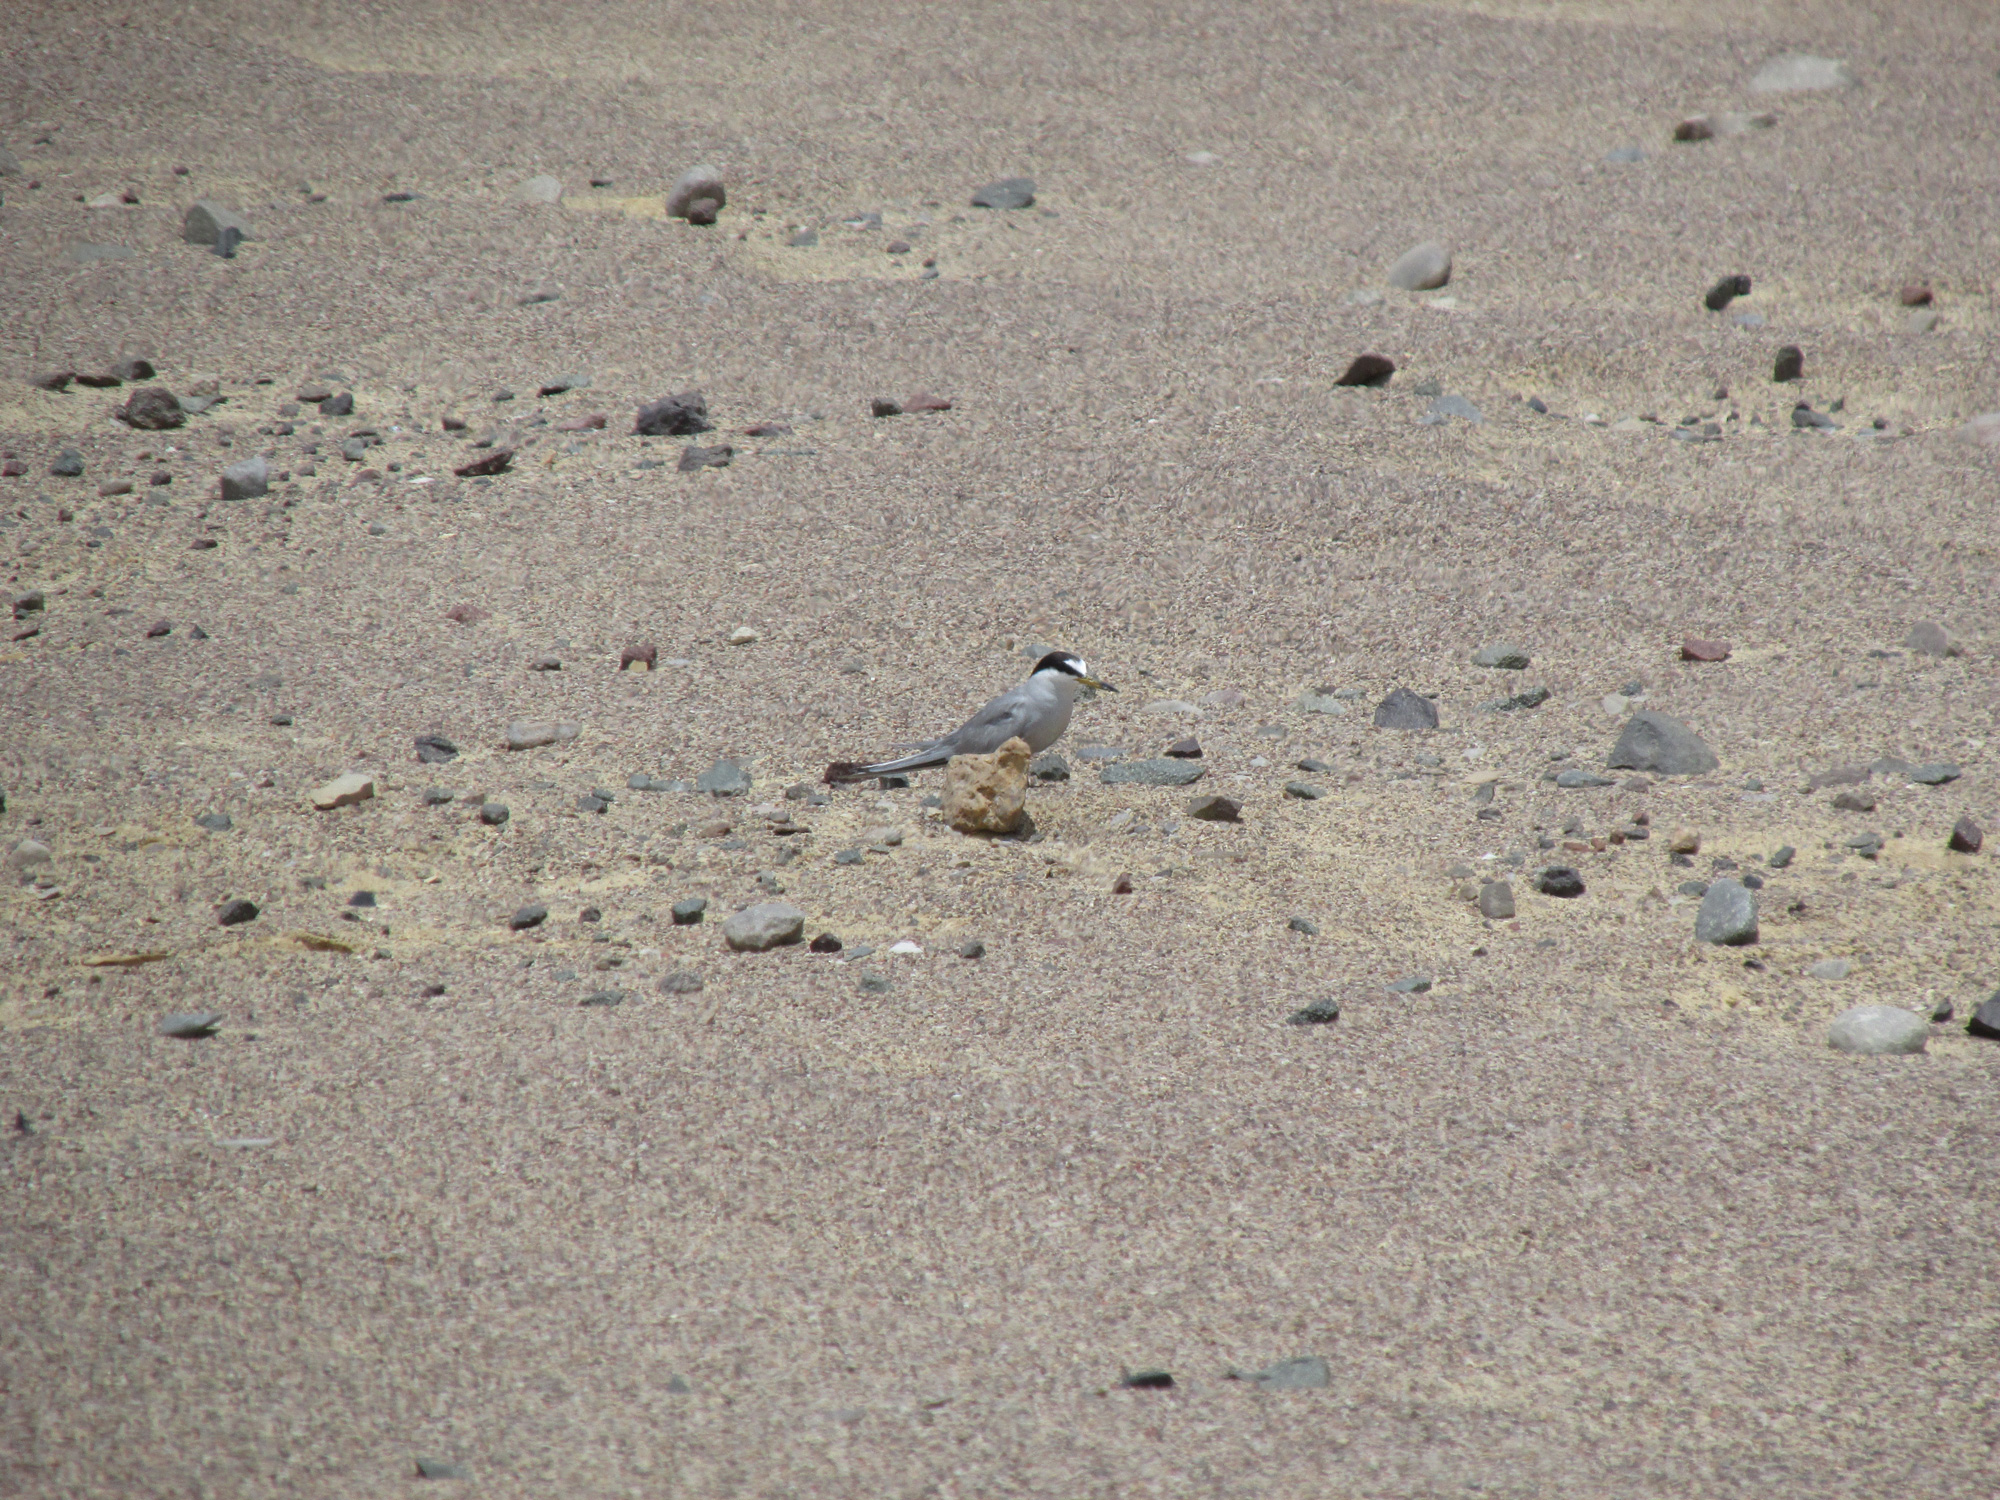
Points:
[(1082, 666)]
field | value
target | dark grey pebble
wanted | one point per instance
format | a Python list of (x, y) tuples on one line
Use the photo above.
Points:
[(1576, 777), (588, 803), (68, 464), (687, 912), (434, 749), (1304, 924), (826, 942), (1726, 291), (1781, 857), (1558, 880), (681, 982), (1049, 766), (1319, 1013), (1403, 709), (362, 899), (673, 416), (717, 457), (726, 778), (341, 405), (603, 997), (1790, 364), (1692, 888), (1187, 749), (1304, 791), (1533, 697), (432, 1468), (1414, 984), (1966, 836), (236, 913), (1216, 810), (972, 948), (190, 1025), (493, 814), (874, 983), (216, 822), (882, 406), (1008, 192), (437, 796), (531, 915), (1867, 845), (1936, 774), (1368, 369), (1316, 767), (1985, 1021), (847, 857), (1663, 745)]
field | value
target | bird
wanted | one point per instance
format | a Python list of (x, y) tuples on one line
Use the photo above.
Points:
[(1037, 711)]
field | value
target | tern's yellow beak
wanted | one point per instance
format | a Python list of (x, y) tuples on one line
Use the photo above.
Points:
[(1101, 686)]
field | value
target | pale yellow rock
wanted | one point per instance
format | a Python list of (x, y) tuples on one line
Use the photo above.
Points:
[(987, 793), (344, 791), (1685, 841)]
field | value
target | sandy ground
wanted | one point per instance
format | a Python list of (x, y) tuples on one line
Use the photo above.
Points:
[(1599, 1213)]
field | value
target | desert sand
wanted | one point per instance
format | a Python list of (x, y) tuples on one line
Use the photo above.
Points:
[(1582, 1206)]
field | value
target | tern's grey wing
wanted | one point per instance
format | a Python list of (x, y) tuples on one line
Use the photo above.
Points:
[(1006, 716)]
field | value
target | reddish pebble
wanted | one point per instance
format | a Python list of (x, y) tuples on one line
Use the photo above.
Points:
[(925, 401), (13, 470), (1122, 886), (1696, 649), (638, 656), (161, 476), (1916, 295), (465, 614), (768, 429), (592, 423), (899, 247), (160, 627)]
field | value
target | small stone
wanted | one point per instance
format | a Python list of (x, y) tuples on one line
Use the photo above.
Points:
[(688, 912), (542, 189), (694, 457), (680, 982), (603, 998), (1533, 697), (341, 405), (248, 480), (1008, 192), (1782, 857), (1368, 369), (1855, 799), (68, 464), (1414, 984), (344, 791), (1985, 1021), (522, 735), (1148, 1380), (1790, 364), (159, 628), (1915, 295), (1575, 778), (1187, 749), (215, 822), (1839, 776), (1156, 772), (1306, 1373), (1966, 836), (1319, 701), (590, 802), (639, 656), (531, 915), (873, 983), (1049, 766), (361, 899), (768, 924), (438, 1468), (1660, 744), (1216, 810), (1878, 1031), (726, 778), (151, 408), (1795, 71), (987, 793), (1803, 416), (28, 854), (1318, 1013), (545, 664), (1504, 657), (1928, 638), (1867, 845), (744, 635), (847, 857), (494, 463), (494, 814), (204, 222), (882, 406), (1684, 840), (1923, 320), (1728, 915), (1304, 791), (1403, 709), (826, 942), (697, 185), (190, 1026), (434, 749), (673, 416), (235, 913), (1726, 290), (924, 401), (1496, 901), (1305, 925), (1831, 968), (1693, 648), (1421, 268), (1558, 880)]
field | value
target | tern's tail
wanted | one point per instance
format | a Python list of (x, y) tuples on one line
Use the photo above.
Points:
[(847, 770)]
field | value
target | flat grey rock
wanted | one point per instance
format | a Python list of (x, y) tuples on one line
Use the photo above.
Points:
[(1501, 656), (1313, 701), (1414, 984), (1576, 777), (248, 480), (531, 915), (541, 189), (1008, 192), (1446, 407), (681, 982), (1421, 268), (205, 220), (1935, 774), (1306, 1373), (1159, 771), (1533, 697), (1728, 915), (724, 779), (1663, 745), (526, 736), (1831, 968), (1049, 766), (1878, 1031), (688, 911), (190, 1025), (84, 253), (215, 822), (768, 924), (1403, 709), (1795, 72), (1496, 901)]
